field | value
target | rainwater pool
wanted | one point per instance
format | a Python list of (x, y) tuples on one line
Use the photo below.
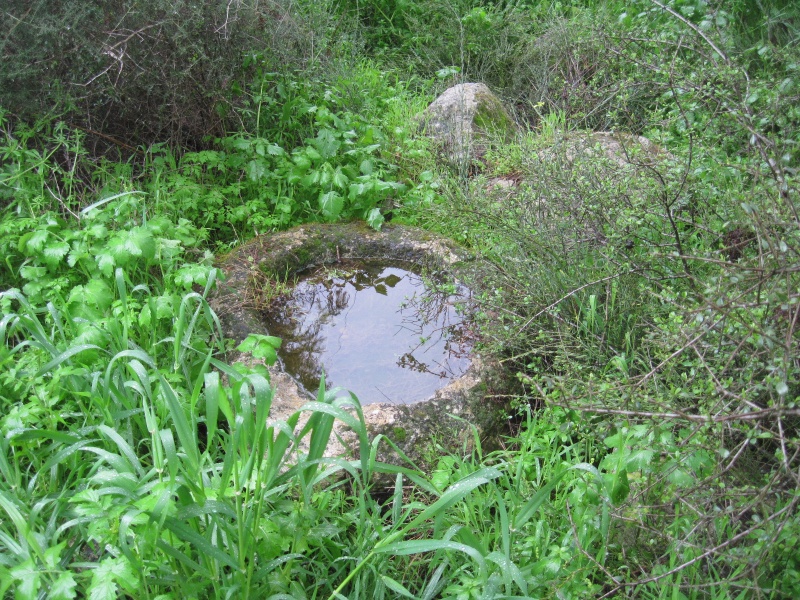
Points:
[(375, 329)]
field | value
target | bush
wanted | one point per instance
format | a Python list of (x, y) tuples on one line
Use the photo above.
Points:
[(131, 73), (661, 299)]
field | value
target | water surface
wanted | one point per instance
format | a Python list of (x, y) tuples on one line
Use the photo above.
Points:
[(376, 330)]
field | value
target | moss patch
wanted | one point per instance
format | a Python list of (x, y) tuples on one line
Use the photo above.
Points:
[(492, 118), (399, 434)]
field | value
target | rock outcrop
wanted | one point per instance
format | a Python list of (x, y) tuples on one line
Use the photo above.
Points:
[(464, 118)]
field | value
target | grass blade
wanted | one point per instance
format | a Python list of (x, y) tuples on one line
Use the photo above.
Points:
[(419, 546), (186, 436)]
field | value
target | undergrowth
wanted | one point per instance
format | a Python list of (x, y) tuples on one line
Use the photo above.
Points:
[(646, 299)]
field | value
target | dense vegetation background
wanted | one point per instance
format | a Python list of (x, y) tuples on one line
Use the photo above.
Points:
[(646, 310)]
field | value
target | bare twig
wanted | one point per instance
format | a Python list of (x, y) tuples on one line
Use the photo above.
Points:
[(583, 550), (62, 203), (749, 416), (551, 306), (788, 508), (694, 28)]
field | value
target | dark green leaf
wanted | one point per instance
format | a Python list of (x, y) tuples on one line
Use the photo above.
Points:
[(620, 487)]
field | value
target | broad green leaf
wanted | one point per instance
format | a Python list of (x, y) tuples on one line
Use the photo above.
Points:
[(444, 471), (375, 218), (325, 173), (340, 180), (331, 204), (145, 316), (106, 263), (96, 293), (90, 334), (102, 587), (620, 487), (312, 154), (80, 251), (326, 143), (191, 274), (261, 346), (302, 162), (165, 304), (106, 576), (639, 459), (34, 288), (63, 588), (35, 242), (242, 143), (311, 178), (98, 231), (146, 242), (32, 273), (359, 189), (168, 249), (52, 555), (366, 167), (54, 253), (137, 242), (28, 580), (255, 339), (256, 170), (99, 293)]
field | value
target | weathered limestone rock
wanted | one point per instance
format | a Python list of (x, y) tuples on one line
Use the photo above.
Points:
[(624, 149), (271, 259), (465, 116), (613, 156)]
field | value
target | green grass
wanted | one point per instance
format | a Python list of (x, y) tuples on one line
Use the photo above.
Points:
[(648, 317)]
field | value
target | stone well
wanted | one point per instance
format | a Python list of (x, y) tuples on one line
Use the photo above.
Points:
[(253, 271)]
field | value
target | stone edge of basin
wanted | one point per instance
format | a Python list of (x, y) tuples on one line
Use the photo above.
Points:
[(282, 255)]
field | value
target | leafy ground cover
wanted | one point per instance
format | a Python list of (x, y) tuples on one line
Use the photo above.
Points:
[(647, 312)]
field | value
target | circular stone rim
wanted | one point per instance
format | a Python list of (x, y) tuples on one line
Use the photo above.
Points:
[(282, 255)]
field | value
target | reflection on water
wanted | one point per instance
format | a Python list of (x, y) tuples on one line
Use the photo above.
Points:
[(376, 330)]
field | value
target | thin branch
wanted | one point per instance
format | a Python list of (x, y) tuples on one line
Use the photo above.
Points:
[(62, 203), (710, 551), (694, 28), (748, 416), (585, 553), (571, 293)]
